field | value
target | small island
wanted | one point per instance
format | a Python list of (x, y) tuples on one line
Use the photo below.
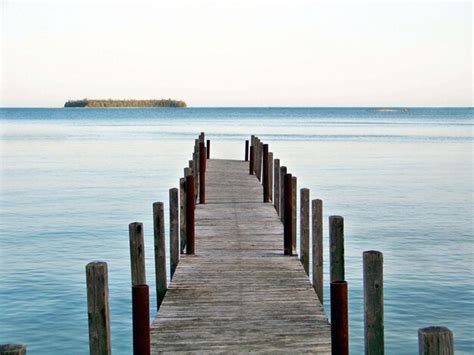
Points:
[(124, 103)]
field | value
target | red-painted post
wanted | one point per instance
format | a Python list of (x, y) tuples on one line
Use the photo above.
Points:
[(265, 175), (141, 320), (252, 156), (202, 173), (339, 318), (288, 215), (190, 206)]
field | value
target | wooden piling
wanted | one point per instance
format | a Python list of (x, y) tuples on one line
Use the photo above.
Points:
[(276, 185), (137, 253), (373, 302), (435, 341), (190, 206), (336, 248), (246, 150), (294, 195), (182, 214), (255, 158), (141, 320), (252, 157), (208, 149), (260, 161), (160, 252), (174, 230), (282, 193), (339, 318), (317, 249), (288, 225), (304, 229), (202, 174), (98, 308), (196, 173), (13, 349), (265, 175)]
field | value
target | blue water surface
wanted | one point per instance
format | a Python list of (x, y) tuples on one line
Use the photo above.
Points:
[(73, 179)]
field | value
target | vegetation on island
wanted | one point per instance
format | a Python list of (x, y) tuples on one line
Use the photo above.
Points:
[(124, 103)]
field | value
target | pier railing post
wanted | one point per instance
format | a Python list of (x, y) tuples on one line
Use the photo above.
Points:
[(182, 214), (12, 349), (317, 210), (202, 173), (160, 252), (174, 230), (141, 320), (137, 253), (373, 302), (208, 149), (288, 225), (304, 229), (266, 166), (247, 150), (276, 185), (98, 308), (270, 177), (190, 206), (435, 341), (339, 318), (252, 157), (294, 195), (260, 161), (336, 248), (282, 193)]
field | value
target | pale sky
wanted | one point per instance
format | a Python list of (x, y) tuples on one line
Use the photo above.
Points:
[(238, 53)]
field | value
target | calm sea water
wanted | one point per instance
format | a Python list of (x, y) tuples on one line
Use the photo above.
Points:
[(73, 179)]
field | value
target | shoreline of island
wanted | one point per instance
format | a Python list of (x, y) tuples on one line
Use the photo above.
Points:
[(111, 103)]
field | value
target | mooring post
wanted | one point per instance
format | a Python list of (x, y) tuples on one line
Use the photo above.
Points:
[(276, 185), (270, 176), (137, 253), (196, 172), (208, 149), (317, 249), (339, 318), (255, 158), (260, 161), (294, 195), (435, 341), (247, 150), (373, 302), (13, 349), (190, 206), (252, 157), (202, 174), (160, 252), (336, 248), (174, 231), (266, 167), (141, 320), (288, 225), (98, 308), (282, 193), (182, 214), (304, 229)]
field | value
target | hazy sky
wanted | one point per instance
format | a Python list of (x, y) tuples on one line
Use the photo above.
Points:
[(238, 53)]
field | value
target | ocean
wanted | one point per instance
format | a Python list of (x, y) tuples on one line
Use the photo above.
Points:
[(73, 179)]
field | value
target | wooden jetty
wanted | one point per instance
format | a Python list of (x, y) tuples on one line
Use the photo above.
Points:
[(239, 292)]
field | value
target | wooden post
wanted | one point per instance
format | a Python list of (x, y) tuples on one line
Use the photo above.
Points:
[(160, 252), (304, 229), (339, 318), (282, 193), (294, 195), (317, 207), (435, 341), (12, 349), (98, 308), (255, 153), (202, 174), (288, 226), (190, 206), (196, 172), (174, 231), (336, 248), (247, 150), (373, 302), (141, 320), (270, 176), (265, 177), (182, 213), (252, 157), (260, 161), (137, 253), (208, 149), (276, 185)]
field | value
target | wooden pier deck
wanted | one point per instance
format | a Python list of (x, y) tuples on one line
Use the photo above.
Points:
[(239, 293)]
